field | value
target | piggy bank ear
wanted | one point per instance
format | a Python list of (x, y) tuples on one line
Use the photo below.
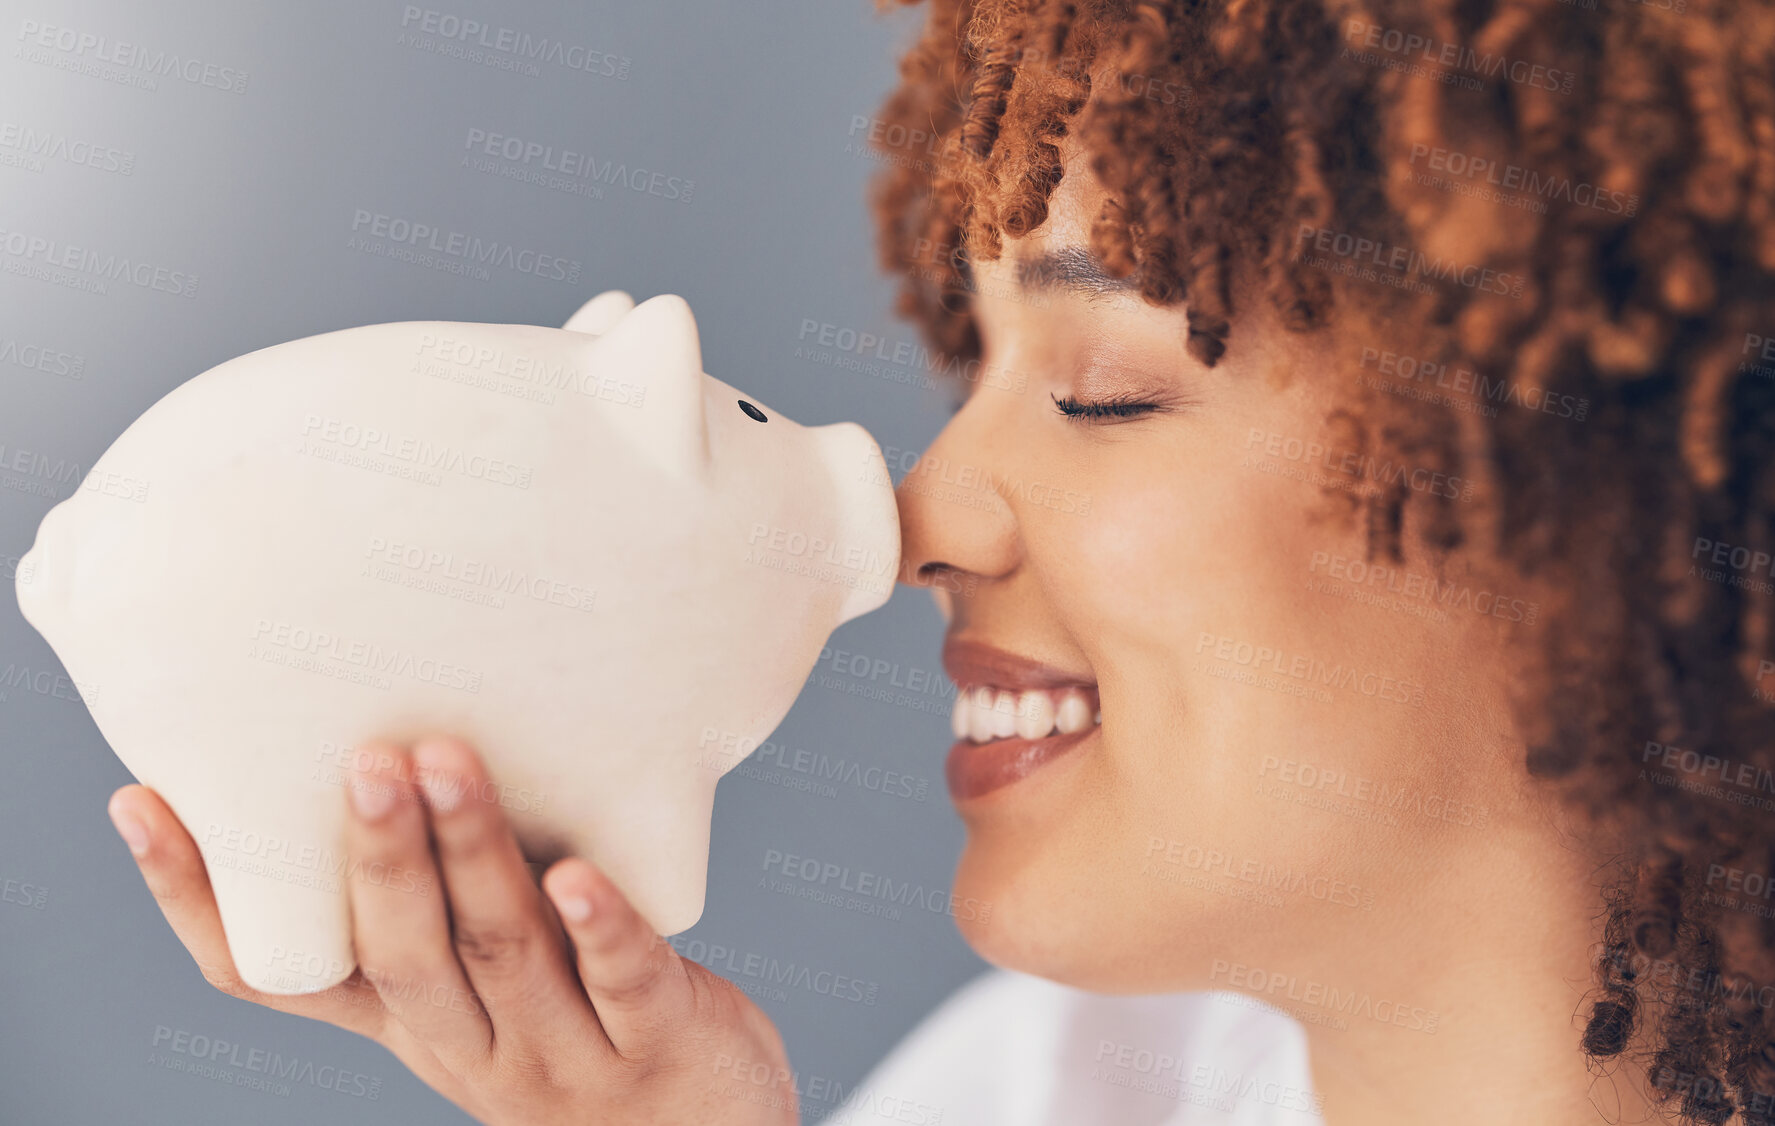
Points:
[(601, 312), (655, 346)]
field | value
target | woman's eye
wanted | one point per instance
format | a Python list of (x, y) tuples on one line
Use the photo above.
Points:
[(1114, 407)]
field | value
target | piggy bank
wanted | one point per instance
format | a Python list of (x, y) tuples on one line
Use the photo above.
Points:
[(608, 570)]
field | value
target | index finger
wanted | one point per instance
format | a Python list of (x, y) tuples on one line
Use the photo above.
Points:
[(638, 984)]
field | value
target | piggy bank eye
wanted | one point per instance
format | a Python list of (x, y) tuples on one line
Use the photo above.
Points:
[(752, 411)]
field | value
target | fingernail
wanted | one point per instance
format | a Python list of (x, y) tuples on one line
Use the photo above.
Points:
[(371, 796), (574, 908), (133, 832), (442, 791)]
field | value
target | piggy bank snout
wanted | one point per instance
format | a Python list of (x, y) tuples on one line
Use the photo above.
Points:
[(39, 575), (25, 579), (869, 518)]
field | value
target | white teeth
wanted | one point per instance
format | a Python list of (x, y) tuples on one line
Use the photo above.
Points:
[(1004, 716), (1074, 714), (980, 714), (1035, 714), (984, 714)]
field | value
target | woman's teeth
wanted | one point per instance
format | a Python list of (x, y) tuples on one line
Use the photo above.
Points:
[(983, 714)]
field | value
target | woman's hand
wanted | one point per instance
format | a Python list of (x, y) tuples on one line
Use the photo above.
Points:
[(482, 991)]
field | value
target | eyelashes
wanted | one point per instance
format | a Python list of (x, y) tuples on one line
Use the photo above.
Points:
[(1111, 408)]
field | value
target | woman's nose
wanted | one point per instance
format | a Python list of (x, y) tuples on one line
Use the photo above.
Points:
[(956, 527)]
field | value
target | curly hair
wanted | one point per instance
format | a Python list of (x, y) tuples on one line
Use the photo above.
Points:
[(1577, 205)]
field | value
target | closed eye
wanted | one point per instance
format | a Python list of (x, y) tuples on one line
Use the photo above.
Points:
[(1113, 407)]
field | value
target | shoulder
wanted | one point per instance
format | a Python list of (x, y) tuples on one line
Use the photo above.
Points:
[(1008, 1049)]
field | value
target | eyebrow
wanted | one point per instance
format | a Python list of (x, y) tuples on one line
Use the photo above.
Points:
[(1072, 269)]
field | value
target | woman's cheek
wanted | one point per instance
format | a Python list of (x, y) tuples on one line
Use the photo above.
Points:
[(1129, 555)]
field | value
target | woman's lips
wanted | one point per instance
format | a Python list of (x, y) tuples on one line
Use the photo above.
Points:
[(1012, 716), (973, 769)]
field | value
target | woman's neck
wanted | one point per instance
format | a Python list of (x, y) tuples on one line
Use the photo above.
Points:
[(1472, 1010)]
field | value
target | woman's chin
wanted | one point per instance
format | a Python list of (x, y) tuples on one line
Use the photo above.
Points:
[(1042, 896), (1033, 915)]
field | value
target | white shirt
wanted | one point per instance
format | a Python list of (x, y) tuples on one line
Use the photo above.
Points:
[(1008, 1049)]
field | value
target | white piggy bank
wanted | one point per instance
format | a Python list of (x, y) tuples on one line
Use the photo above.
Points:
[(609, 571)]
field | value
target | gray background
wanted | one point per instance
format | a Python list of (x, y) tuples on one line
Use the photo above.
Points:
[(254, 194)]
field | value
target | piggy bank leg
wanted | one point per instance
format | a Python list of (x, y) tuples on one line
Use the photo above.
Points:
[(656, 850), (283, 891)]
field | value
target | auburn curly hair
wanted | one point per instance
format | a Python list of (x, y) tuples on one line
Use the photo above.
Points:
[(1627, 264)]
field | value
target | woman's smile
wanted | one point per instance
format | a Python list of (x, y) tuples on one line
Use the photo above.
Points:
[(1012, 716)]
